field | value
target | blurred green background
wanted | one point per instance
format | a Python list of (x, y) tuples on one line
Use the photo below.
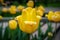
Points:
[(46, 3)]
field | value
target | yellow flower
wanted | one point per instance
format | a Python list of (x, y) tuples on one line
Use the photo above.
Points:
[(56, 16), (1, 17), (28, 9), (20, 7), (29, 22), (16, 18), (12, 24), (53, 16), (50, 34), (12, 6), (57, 12), (30, 3), (49, 16), (4, 10), (12, 9), (40, 13), (41, 8)]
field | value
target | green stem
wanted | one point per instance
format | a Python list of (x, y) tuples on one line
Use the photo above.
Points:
[(28, 36), (12, 35), (39, 32), (55, 27)]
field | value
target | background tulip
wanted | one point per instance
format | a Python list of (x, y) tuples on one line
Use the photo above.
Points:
[(20, 8), (30, 3), (12, 9), (4, 10), (1, 17), (12, 24)]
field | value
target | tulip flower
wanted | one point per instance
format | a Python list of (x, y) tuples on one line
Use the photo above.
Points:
[(20, 8), (56, 16), (49, 16), (13, 6), (40, 10), (28, 21), (57, 12), (1, 17), (16, 18), (12, 9), (30, 3), (12, 24), (50, 34), (12, 27), (40, 13), (53, 16), (28, 9), (4, 10)]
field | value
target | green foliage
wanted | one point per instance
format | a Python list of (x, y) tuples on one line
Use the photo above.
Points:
[(10, 15), (0, 33), (19, 35), (15, 3)]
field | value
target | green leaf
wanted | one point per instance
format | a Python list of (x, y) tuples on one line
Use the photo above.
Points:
[(40, 34), (19, 34), (49, 29), (0, 33), (6, 34)]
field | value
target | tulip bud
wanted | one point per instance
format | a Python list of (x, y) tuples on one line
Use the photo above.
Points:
[(46, 15), (30, 3), (50, 34), (41, 8), (40, 13), (1, 17), (12, 9), (12, 24), (4, 10), (12, 6), (20, 8), (50, 15)]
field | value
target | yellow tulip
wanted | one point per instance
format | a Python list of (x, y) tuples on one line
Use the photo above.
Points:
[(12, 24), (50, 34), (28, 9), (20, 7), (12, 6), (29, 22), (56, 16), (12, 9), (16, 18), (57, 12), (53, 16), (49, 16), (40, 13), (41, 8), (1, 17), (30, 3), (4, 10), (28, 26)]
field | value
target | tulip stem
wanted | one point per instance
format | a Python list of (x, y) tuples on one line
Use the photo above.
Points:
[(12, 35), (28, 36), (55, 27), (13, 15)]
